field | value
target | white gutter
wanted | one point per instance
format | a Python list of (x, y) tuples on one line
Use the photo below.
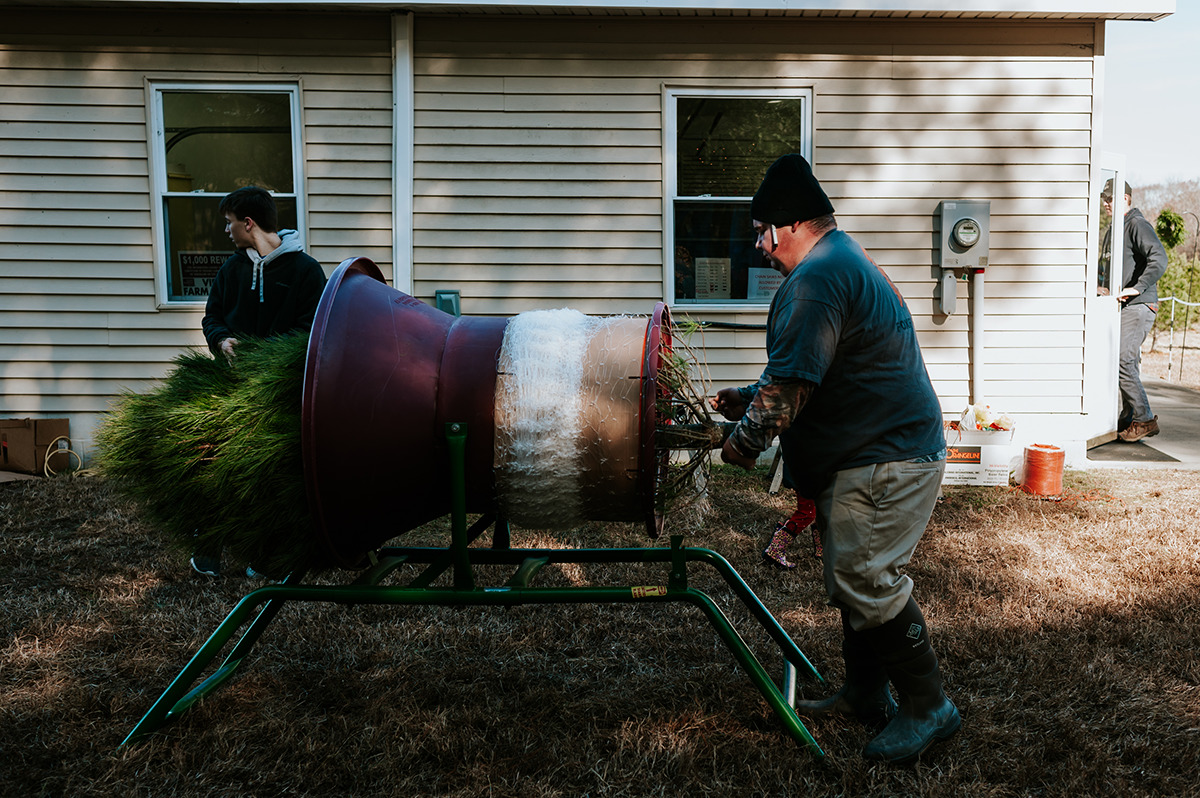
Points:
[(1006, 9)]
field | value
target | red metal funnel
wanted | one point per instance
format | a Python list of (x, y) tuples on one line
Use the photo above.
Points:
[(384, 374)]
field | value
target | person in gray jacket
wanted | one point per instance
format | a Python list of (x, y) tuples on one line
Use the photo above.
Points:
[(1143, 262)]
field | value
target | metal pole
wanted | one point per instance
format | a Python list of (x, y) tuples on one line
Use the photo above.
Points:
[(979, 391), (456, 442), (789, 683), (1187, 316), (1171, 343)]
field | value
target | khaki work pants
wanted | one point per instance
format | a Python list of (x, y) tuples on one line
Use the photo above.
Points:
[(871, 519)]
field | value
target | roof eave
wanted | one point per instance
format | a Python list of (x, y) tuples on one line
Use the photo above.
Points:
[(932, 9)]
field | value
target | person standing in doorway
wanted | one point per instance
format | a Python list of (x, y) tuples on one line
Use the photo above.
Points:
[(267, 288), (1143, 262), (846, 391)]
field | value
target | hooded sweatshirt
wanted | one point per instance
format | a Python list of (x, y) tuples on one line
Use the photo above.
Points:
[(1144, 260), (262, 296)]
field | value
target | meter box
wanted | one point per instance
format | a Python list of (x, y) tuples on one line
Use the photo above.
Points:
[(966, 226)]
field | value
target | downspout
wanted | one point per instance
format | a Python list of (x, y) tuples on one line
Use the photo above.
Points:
[(402, 151), (978, 325)]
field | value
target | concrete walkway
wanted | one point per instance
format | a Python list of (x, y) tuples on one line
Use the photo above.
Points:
[(1176, 446)]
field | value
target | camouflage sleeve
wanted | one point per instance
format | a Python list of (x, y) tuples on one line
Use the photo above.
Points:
[(772, 411)]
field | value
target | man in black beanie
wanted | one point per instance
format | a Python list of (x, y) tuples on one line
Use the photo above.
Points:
[(847, 392)]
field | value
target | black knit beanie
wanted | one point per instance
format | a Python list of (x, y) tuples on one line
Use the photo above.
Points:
[(789, 193)]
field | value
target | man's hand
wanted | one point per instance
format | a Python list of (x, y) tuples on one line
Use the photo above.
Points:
[(227, 346), (1126, 295), (731, 455), (729, 403)]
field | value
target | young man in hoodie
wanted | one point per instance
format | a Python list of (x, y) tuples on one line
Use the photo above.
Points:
[(268, 287)]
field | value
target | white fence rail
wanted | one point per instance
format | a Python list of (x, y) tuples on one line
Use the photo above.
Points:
[(1175, 302)]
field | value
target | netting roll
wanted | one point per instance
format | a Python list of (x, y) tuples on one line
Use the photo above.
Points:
[(568, 401)]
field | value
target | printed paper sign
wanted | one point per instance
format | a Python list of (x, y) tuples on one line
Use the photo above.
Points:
[(763, 283), (712, 278), (198, 271)]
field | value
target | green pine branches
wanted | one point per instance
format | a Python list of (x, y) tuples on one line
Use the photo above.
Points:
[(214, 454)]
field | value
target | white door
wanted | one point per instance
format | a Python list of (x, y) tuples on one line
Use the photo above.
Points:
[(1102, 322)]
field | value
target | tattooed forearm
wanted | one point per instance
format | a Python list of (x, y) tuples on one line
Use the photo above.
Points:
[(774, 408)]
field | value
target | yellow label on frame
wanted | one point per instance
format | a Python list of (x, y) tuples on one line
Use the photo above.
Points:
[(648, 591)]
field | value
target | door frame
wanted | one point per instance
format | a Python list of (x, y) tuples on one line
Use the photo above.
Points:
[(1102, 314)]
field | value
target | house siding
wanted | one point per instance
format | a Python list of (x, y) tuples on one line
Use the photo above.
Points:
[(539, 170), (79, 319), (538, 173)]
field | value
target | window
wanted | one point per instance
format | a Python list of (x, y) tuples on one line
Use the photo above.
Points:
[(208, 141), (723, 143)]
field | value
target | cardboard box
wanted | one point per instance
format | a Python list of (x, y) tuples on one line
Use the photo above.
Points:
[(24, 442), (977, 457)]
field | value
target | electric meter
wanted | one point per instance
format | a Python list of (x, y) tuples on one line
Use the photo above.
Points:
[(966, 233)]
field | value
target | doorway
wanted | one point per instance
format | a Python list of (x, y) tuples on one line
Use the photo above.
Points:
[(1102, 312)]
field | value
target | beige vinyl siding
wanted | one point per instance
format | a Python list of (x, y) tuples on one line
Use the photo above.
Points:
[(539, 156), (79, 322)]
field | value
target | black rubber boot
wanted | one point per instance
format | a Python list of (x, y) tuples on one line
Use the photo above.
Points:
[(926, 715), (865, 694)]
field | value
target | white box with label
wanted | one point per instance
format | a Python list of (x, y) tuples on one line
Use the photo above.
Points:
[(977, 457)]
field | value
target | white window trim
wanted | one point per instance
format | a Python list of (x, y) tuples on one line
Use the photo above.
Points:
[(670, 95), (158, 170)]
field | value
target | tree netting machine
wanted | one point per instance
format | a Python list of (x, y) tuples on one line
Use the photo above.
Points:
[(543, 420)]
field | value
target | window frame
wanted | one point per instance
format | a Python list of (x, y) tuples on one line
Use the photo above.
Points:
[(158, 170), (671, 95)]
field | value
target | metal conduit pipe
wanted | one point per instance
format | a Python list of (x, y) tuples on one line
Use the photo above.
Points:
[(978, 326)]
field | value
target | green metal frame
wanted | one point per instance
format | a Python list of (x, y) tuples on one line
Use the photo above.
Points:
[(260, 606)]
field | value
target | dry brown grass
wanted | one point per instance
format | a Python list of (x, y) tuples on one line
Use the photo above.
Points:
[(1067, 632), (1174, 364)]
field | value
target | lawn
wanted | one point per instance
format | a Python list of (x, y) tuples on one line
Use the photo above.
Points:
[(1067, 630)]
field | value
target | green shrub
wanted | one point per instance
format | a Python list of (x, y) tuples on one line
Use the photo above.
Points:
[(1180, 282), (1170, 228)]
